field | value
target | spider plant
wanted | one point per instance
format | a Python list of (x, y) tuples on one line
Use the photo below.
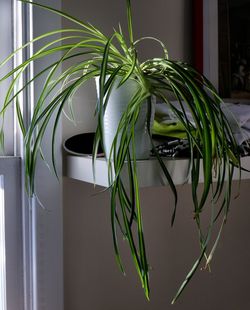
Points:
[(212, 145)]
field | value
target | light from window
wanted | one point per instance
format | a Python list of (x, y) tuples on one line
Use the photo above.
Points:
[(2, 248)]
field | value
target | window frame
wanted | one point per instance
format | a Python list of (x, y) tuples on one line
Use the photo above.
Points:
[(40, 283)]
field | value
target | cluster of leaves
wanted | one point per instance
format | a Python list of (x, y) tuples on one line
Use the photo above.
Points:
[(96, 55)]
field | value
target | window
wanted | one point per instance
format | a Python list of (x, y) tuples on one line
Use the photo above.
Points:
[(11, 258), (2, 248), (11, 270), (6, 12), (31, 236)]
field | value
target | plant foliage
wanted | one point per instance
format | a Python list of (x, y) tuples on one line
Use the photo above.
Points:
[(212, 144)]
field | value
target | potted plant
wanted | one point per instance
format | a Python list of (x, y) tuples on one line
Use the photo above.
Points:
[(114, 62)]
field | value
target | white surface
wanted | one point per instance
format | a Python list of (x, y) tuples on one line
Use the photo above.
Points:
[(149, 171)]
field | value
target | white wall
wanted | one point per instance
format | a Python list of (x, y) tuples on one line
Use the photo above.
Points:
[(92, 279)]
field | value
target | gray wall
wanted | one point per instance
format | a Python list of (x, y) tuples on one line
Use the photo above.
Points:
[(92, 278)]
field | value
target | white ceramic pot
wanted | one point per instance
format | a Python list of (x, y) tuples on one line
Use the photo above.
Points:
[(117, 104)]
